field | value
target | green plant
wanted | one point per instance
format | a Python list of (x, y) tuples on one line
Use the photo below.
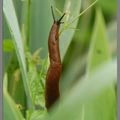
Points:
[(88, 82)]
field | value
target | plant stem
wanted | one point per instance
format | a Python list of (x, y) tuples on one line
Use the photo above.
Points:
[(68, 24)]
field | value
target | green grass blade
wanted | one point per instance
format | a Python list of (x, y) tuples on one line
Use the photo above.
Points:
[(41, 16), (9, 12), (10, 110), (99, 47), (73, 7), (100, 53)]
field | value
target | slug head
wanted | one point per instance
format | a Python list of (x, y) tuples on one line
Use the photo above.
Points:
[(57, 21)]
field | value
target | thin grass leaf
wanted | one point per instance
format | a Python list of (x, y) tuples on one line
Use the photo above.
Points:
[(10, 110), (10, 15)]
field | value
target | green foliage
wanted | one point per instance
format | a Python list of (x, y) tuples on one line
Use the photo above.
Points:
[(36, 74), (73, 8), (8, 46), (79, 101), (99, 51), (89, 71), (8, 8), (99, 54), (11, 112)]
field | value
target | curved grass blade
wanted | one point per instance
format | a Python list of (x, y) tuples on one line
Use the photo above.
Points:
[(10, 110), (10, 15)]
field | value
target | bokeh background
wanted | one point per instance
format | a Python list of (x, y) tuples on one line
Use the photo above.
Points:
[(88, 49)]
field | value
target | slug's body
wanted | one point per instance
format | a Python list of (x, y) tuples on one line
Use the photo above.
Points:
[(54, 71), (55, 68)]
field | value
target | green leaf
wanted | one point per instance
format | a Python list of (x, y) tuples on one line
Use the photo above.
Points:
[(99, 54), (41, 16), (110, 8), (66, 37), (76, 104), (11, 18), (99, 50), (10, 110), (8, 46)]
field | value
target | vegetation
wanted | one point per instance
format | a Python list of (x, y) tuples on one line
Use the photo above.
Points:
[(88, 50)]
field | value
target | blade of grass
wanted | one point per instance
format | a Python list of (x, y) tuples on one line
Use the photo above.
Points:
[(73, 8), (10, 110), (10, 15), (99, 47), (99, 54)]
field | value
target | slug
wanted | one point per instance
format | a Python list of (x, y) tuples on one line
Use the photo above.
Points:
[(52, 92)]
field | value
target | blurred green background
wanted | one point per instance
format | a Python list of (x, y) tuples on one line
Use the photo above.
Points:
[(88, 49)]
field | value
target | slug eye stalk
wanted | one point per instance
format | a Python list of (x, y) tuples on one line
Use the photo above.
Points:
[(58, 21), (53, 13)]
